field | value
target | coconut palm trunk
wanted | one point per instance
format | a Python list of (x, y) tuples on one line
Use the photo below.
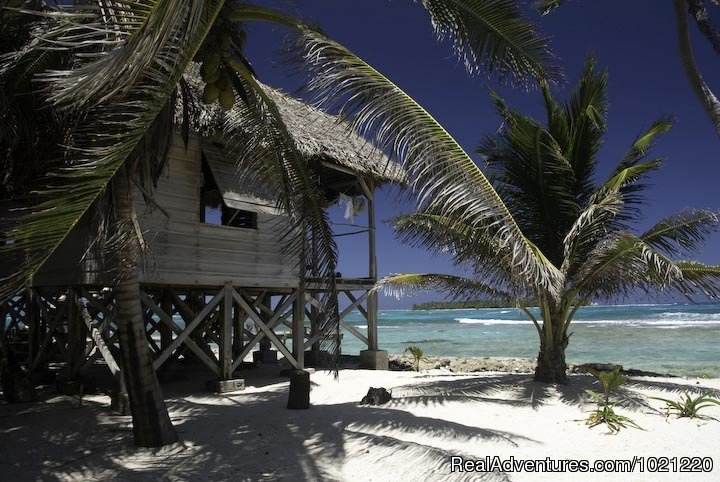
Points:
[(151, 421), (700, 88), (551, 364), (553, 342)]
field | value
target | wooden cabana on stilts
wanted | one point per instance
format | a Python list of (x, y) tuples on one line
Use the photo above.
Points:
[(214, 261)]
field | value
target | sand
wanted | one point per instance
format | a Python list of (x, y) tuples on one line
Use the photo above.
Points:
[(434, 415)]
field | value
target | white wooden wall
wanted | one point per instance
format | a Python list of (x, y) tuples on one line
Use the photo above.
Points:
[(182, 250)]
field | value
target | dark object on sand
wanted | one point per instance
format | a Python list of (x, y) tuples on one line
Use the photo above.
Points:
[(15, 384), (299, 396), (607, 367), (601, 367), (376, 396)]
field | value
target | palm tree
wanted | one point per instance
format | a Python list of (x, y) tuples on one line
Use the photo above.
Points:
[(108, 73), (697, 9), (545, 174)]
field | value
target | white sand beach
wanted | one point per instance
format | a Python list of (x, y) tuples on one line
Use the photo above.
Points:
[(434, 415)]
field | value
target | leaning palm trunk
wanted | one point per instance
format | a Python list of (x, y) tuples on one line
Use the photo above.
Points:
[(151, 422), (700, 88)]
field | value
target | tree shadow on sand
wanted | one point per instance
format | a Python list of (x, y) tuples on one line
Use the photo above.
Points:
[(520, 390), (232, 437), (237, 437)]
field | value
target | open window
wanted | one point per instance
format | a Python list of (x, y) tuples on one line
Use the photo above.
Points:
[(225, 198), (215, 210)]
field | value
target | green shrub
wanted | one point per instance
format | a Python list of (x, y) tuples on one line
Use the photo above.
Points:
[(688, 406), (417, 354), (605, 412)]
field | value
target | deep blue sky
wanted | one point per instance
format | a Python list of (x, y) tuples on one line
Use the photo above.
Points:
[(634, 39)]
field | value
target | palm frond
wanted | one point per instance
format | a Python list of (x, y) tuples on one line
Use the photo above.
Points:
[(487, 35), (264, 150), (455, 286), (586, 111), (150, 153), (627, 183), (100, 143), (682, 233), (623, 263), (469, 247), (442, 174), (643, 143), (547, 6), (558, 123), (698, 277), (534, 179), (603, 216), (29, 132), (116, 45), (591, 227), (491, 36)]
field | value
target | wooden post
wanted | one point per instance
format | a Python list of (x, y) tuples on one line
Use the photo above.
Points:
[(314, 328), (372, 302), (238, 331), (71, 315), (226, 331), (77, 338), (298, 331), (166, 305), (32, 321), (314, 312)]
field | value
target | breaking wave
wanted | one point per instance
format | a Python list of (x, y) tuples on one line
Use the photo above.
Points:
[(690, 319)]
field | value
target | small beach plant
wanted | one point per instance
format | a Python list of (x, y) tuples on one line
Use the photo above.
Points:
[(688, 406), (417, 354), (605, 411)]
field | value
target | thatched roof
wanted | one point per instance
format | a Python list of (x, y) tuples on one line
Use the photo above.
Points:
[(318, 135)]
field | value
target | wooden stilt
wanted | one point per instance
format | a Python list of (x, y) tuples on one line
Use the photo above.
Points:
[(298, 330), (33, 323), (265, 329), (165, 330), (314, 311), (238, 331), (314, 330), (77, 338), (372, 357), (372, 302), (226, 332), (36, 330)]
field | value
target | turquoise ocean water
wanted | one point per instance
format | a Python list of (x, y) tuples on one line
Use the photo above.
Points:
[(681, 339)]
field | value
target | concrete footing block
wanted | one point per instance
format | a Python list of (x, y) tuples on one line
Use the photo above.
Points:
[(374, 360), (225, 386), (268, 356)]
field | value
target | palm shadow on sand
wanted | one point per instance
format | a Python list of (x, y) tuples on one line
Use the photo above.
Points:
[(232, 437), (520, 390)]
